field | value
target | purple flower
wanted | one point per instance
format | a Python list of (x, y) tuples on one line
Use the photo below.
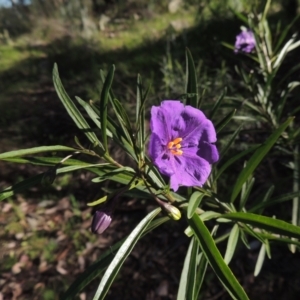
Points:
[(245, 42), (181, 143), (101, 220)]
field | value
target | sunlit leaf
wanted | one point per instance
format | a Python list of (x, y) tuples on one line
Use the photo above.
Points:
[(184, 278), (35, 150), (194, 202), (266, 223), (122, 254), (73, 110), (260, 259), (101, 264), (231, 244), (215, 259)]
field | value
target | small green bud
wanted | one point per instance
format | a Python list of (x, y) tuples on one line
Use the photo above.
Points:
[(172, 211)]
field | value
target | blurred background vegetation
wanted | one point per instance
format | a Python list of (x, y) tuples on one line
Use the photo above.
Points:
[(45, 237)]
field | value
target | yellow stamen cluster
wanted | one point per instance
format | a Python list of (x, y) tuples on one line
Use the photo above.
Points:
[(174, 146)]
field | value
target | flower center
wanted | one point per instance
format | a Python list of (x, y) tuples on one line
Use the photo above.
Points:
[(174, 146)]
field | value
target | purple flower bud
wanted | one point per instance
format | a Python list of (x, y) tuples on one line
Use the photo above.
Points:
[(101, 220), (245, 42)]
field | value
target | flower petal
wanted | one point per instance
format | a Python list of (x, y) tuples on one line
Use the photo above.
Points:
[(159, 124), (173, 106), (191, 170), (193, 118), (163, 121), (209, 152), (165, 163), (207, 132), (156, 146)]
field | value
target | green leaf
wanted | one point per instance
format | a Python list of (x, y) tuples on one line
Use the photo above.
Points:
[(25, 184), (272, 238), (101, 264), (98, 201), (140, 116), (284, 33), (266, 223), (217, 104), (202, 266), (72, 110), (34, 150), (232, 243), (263, 201), (232, 160), (190, 293), (123, 120), (208, 215), (246, 189), (260, 259), (50, 161), (191, 80), (255, 234), (122, 177), (104, 103), (215, 259), (283, 53), (239, 15), (257, 157), (189, 261), (225, 121), (155, 176), (90, 111), (194, 203), (115, 131), (122, 254), (229, 143)]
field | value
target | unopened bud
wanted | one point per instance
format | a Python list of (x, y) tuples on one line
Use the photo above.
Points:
[(101, 220), (172, 211)]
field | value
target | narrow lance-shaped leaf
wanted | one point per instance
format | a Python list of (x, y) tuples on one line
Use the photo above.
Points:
[(260, 259), (267, 223), (257, 157), (37, 179), (122, 254), (225, 121), (90, 111), (233, 159), (104, 102), (140, 115), (194, 202), (191, 80), (185, 271), (217, 104), (202, 266), (230, 142), (25, 184), (34, 150), (215, 259), (99, 266), (191, 283), (232, 242), (263, 200), (72, 110), (123, 120)]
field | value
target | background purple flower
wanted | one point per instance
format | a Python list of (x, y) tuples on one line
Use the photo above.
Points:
[(245, 42), (181, 143)]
